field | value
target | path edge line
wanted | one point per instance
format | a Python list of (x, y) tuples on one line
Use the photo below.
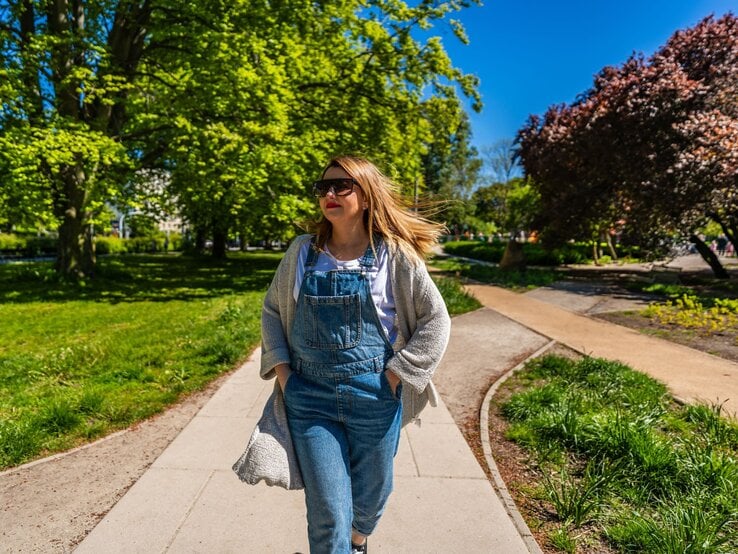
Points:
[(497, 482)]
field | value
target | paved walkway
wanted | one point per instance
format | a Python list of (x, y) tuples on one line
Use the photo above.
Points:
[(691, 375), (190, 501)]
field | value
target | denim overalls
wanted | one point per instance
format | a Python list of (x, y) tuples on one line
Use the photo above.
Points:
[(344, 419)]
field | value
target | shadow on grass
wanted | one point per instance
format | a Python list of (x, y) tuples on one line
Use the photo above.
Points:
[(140, 277)]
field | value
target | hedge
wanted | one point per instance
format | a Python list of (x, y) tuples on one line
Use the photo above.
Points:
[(12, 245), (535, 254)]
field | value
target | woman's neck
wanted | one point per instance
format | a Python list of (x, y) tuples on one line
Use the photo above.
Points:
[(348, 244)]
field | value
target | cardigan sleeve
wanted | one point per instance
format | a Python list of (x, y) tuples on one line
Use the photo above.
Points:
[(416, 361), (274, 347), (277, 312)]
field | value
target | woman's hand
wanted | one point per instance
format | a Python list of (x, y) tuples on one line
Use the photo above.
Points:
[(283, 372), (393, 380)]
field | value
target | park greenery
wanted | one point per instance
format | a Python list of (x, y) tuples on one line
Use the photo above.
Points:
[(649, 153), (79, 360), (617, 464), (514, 279), (222, 114), (222, 111)]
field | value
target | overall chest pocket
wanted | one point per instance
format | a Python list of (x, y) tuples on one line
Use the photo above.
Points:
[(332, 322)]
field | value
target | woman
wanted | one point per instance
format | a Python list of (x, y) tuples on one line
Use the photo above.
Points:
[(350, 321)]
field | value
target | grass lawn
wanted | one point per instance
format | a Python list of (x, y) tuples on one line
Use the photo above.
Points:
[(80, 361), (612, 464), (485, 273)]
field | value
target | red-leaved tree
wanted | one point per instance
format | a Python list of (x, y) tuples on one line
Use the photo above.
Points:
[(653, 143)]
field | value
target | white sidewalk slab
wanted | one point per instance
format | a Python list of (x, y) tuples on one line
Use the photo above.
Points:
[(191, 501)]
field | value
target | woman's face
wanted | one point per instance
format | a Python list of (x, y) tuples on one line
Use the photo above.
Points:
[(342, 209)]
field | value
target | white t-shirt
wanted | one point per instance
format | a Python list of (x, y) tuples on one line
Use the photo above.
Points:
[(379, 282)]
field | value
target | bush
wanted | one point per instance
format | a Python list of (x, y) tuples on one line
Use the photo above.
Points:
[(488, 252), (21, 246), (11, 243), (110, 245), (535, 254), (18, 245), (41, 246)]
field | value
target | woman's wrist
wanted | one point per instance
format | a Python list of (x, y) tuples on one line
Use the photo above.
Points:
[(392, 379), (283, 372)]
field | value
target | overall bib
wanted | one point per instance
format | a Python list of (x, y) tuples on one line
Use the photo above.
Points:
[(344, 419)]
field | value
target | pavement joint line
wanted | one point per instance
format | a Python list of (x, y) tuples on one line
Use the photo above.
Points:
[(187, 514), (412, 450), (498, 483)]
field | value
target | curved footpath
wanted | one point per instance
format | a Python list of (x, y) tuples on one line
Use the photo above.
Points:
[(691, 375), (190, 501)]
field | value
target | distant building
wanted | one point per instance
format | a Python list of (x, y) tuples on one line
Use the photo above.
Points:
[(152, 186)]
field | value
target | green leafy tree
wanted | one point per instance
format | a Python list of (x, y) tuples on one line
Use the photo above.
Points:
[(451, 171), (238, 103), (287, 87), (67, 69)]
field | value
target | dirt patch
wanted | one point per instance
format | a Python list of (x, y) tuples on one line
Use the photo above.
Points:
[(52, 505), (724, 345)]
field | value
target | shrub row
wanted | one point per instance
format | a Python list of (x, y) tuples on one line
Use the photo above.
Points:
[(535, 254), (16, 245), (115, 245), (12, 245)]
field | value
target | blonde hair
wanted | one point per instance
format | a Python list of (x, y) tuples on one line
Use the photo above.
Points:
[(387, 214)]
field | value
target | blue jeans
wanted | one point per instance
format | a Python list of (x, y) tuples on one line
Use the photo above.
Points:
[(344, 420), (345, 429)]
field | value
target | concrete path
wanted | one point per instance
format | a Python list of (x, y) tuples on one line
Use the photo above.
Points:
[(190, 500), (690, 375)]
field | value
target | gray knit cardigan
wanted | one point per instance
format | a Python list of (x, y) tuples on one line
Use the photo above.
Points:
[(423, 324)]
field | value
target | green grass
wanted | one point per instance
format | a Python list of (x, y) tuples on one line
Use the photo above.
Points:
[(516, 280), (80, 361), (457, 300), (620, 462)]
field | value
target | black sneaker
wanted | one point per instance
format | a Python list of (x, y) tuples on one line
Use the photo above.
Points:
[(361, 549)]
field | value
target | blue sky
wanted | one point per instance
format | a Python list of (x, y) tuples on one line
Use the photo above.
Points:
[(532, 54)]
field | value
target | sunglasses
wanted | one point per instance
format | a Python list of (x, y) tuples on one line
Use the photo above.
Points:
[(340, 187)]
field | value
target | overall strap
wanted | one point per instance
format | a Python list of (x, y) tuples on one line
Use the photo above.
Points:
[(368, 259)]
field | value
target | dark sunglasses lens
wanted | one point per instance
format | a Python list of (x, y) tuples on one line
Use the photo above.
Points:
[(340, 187), (343, 187)]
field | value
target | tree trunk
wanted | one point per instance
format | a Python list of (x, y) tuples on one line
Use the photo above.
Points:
[(610, 245), (513, 258), (219, 243), (710, 257), (200, 238), (69, 252), (730, 229), (89, 259), (71, 210)]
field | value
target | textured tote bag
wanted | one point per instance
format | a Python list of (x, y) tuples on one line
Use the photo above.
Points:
[(270, 454)]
